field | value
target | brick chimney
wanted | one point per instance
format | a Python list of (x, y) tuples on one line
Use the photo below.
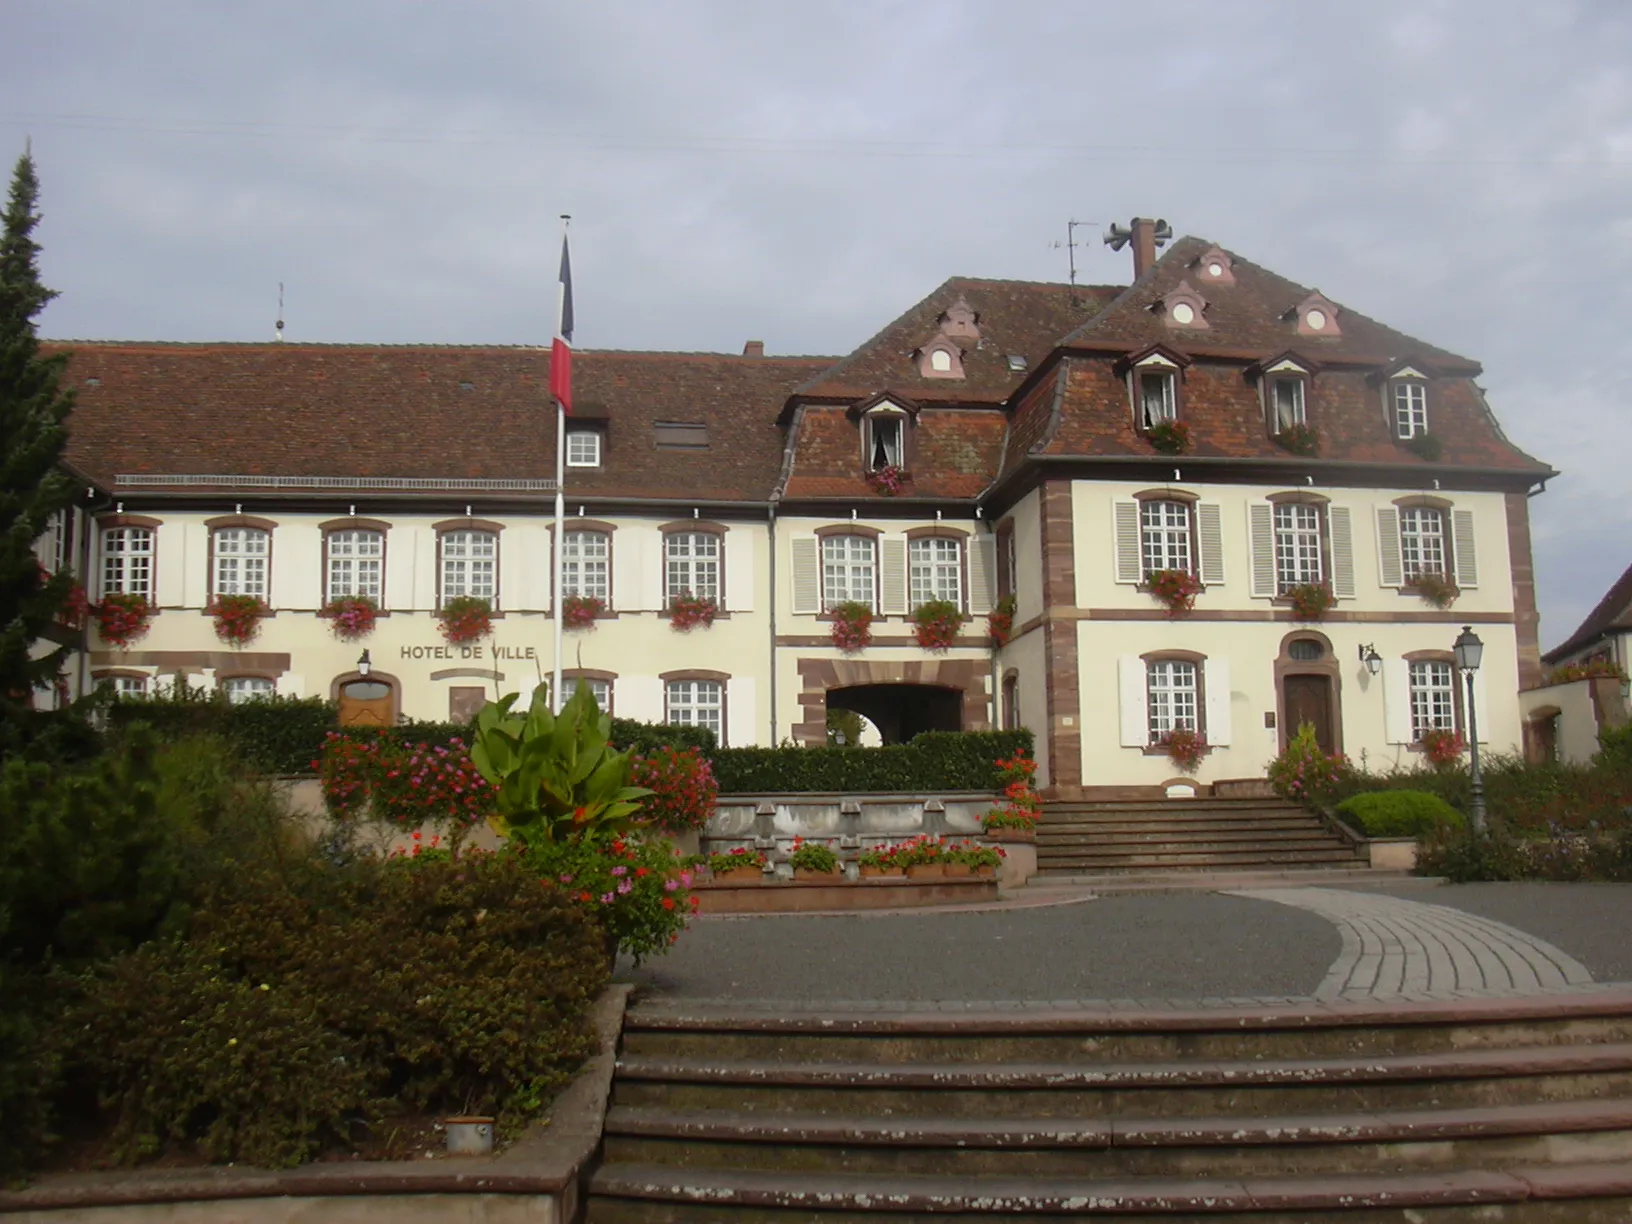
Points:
[(754, 348), (1144, 245)]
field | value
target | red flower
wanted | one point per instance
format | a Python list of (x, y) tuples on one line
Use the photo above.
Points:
[(668, 903)]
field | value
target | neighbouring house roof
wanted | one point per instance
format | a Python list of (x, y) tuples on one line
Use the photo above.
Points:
[(1613, 614)]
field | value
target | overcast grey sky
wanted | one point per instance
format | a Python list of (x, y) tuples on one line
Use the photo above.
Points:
[(802, 173)]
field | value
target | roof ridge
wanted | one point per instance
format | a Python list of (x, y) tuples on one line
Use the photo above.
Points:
[(375, 346)]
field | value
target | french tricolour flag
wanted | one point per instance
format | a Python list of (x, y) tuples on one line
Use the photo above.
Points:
[(561, 350)]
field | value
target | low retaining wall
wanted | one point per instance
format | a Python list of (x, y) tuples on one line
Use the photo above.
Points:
[(534, 1181), (807, 896), (848, 822)]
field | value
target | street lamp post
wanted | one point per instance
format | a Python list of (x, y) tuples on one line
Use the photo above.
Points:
[(1469, 650)]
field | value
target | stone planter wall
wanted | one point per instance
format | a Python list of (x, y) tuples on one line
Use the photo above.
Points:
[(850, 823)]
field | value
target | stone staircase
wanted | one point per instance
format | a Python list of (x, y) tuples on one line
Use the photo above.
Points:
[(1161, 836), (1514, 1110)]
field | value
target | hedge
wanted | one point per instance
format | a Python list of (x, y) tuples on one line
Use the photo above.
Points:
[(933, 761), (1399, 813)]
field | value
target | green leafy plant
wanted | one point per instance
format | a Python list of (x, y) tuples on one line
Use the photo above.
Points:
[(1435, 589), (933, 760), (1307, 773), (1170, 437), (936, 623), (975, 855), (557, 776), (1310, 600), (1021, 805), (1593, 669), (813, 856), (879, 857), (1425, 446), (1399, 813), (1299, 440)]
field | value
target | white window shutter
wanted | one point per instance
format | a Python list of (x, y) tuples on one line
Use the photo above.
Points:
[(651, 581), (807, 576), (1135, 722), (892, 555), (1210, 534), (1396, 701), (741, 726), (628, 560), (1215, 678), (1261, 524), (290, 684), (1467, 560), (1129, 562), (1342, 529), (739, 571), (1390, 570), (1481, 706), (982, 571)]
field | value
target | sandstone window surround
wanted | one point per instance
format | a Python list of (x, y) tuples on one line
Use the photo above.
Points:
[(1421, 534), (467, 560), (129, 555), (240, 556), (354, 559), (1166, 690), (696, 699), (1300, 538), (694, 561), (1155, 378), (1167, 528)]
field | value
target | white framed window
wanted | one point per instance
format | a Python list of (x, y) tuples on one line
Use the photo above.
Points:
[(1297, 546), (240, 689), (129, 686), (849, 570), (935, 570), (885, 434), (1422, 541), (1171, 693), (1433, 698), (1410, 407), (1286, 402), (127, 561), (1164, 532), (691, 565), (241, 555), (583, 448), (696, 703), (601, 690), (586, 561), (1158, 398), (469, 564), (356, 564)]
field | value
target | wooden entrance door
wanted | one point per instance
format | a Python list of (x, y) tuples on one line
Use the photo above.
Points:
[(367, 703), (1308, 699)]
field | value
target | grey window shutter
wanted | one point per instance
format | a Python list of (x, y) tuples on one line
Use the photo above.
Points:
[(1129, 563), (982, 569), (1210, 535), (893, 576), (1337, 518), (807, 577), (1390, 570), (1135, 723), (1261, 520), (1467, 561)]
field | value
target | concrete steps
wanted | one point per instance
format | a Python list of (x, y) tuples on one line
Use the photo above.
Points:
[(1490, 1110), (1186, 835)]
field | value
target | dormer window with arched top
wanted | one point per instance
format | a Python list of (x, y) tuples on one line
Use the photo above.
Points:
[(1215, 267), (1154, 388), (1184, 308), (884, 436), (940, 358), (1316, 315)]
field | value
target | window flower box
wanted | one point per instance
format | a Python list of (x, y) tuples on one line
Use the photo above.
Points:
[(1175, 588), (890, 480), (1170, 437), (465, 618), (686, 612), (1000, 621), (852, 626), (936, 624), (1310, 600), (121, 620), (1442, 748), (580, 611), (351, 616), (1299, 440), (1425, 446), (238, 618), (1437, 590), (1184, 747)]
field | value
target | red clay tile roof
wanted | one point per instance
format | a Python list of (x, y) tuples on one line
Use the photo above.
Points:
[(378, 411), (1612, 615), (954, 452)]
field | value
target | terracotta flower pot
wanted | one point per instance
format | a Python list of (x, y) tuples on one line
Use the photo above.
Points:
[(985, 873), (877, 873), (740, 875), (1010, 835), (958, 870), (926, 871), (810, 873)]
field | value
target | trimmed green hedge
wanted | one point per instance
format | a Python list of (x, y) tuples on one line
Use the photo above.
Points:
[(1400, 813), (934, 761)]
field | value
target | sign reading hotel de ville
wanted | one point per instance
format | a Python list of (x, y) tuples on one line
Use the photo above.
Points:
[(468, 652)]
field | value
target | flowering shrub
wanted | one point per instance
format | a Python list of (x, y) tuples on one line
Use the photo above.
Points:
[(682, 784), (1435, 589), (1594, 669), (75, 606), (402, 785), (465, 618), (238, 618), (686, 612), (580, 611), (1175, 588), (813, 856), (734, 860), (976, 855), (123, 619), (921, 851), (852, 626), (1021, 804), (1306, 772), (1184, 747), (1425, 446), (1310, 600), (936, 623), (888, 480), (1441, 747), (351, 616), (635, 887), (1000, 621), (1170, 437), (1299, 439)]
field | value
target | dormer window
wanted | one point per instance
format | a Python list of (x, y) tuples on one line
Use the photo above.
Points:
[(1184, 307), (885, 436), (1408, 393), (940, 358), (1158, 398), (1286, 402), (960, 322), (1316, 315), (1216, 267), (940, 361), (583, 448)]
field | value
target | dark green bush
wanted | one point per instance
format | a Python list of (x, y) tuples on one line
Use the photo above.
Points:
[(1399, 813), (934, 761), (303, 997), (1462, 856), (275, 735)]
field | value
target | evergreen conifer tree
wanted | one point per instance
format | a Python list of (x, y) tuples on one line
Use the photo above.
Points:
[(33, 484)]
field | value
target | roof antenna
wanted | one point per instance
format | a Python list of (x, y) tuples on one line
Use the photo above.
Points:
[(1070, 245), (278, 332)]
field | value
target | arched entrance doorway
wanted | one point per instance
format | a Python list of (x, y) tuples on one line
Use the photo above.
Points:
[(1309, 682), (901, 711), (900, 697), (366, 701)]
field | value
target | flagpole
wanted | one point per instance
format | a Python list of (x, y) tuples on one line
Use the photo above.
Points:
[(559, 548)]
